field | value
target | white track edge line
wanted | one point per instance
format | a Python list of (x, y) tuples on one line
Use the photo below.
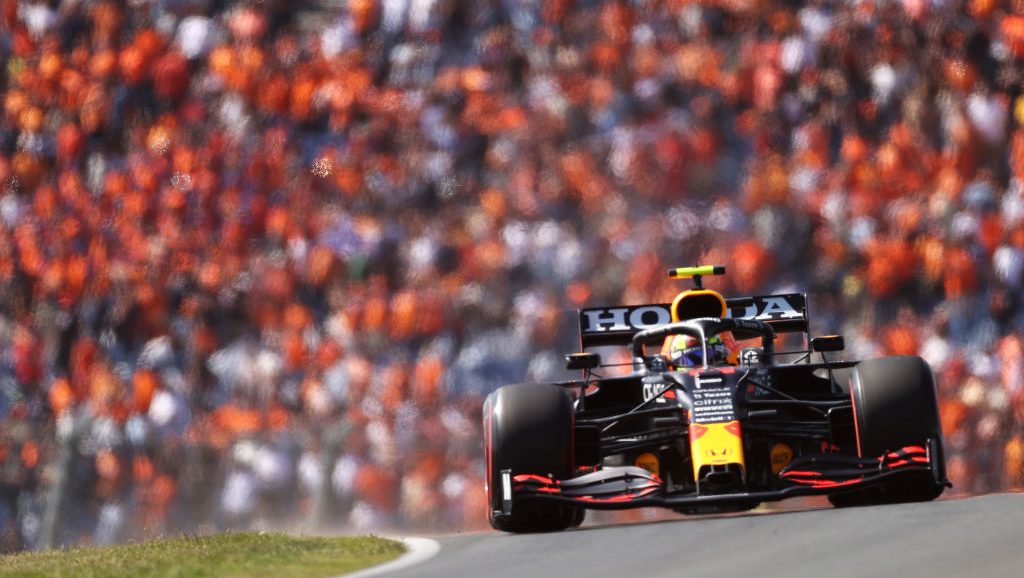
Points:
[(417, 550)]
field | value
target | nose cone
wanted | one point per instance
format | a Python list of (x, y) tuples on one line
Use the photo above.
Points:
[(717, 447)]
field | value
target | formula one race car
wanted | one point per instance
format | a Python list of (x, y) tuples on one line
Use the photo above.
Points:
[(706, 432)]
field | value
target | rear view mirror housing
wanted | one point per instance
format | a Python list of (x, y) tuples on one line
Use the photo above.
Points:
[(585, 360), (828, 343)]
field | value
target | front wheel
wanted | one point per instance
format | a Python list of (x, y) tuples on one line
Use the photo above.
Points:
[(528, 429), (895, 405)]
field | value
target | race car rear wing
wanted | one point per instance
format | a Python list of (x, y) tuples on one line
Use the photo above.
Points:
[(786, 313)]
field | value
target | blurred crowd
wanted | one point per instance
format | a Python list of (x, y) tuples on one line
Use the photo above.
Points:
[(261, 261)]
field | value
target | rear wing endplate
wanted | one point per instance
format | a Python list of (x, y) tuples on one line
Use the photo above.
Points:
[(786, 313)]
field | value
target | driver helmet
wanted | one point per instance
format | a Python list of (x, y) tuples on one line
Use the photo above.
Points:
[(685, 351)]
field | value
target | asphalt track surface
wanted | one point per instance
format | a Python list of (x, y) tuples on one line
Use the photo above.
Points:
[(969, 537)]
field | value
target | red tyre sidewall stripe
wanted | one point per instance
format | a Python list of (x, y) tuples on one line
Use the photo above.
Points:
[(572, 442), (488, 454), (856, 424)]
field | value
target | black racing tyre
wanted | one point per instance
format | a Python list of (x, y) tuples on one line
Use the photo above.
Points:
[(578, 515), (895, 405), (528, 428)]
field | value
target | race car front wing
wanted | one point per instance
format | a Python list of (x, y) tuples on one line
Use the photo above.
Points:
[(614, 488)]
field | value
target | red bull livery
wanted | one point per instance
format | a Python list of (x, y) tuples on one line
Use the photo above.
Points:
[(711, 417)]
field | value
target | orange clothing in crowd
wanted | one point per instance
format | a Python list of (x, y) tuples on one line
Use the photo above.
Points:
[(226, 223)]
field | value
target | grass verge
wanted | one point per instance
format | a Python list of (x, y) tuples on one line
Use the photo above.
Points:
[(236, 555)]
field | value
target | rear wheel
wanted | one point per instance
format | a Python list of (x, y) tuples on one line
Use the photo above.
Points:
[(895, 406), (528, 429)]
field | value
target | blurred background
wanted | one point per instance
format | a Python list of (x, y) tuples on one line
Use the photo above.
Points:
[(260, 261)]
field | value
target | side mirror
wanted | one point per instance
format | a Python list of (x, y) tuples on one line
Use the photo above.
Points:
[(582, 360), (828, 343)]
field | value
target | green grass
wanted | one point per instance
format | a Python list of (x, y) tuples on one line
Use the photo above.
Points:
[(247, 554)]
